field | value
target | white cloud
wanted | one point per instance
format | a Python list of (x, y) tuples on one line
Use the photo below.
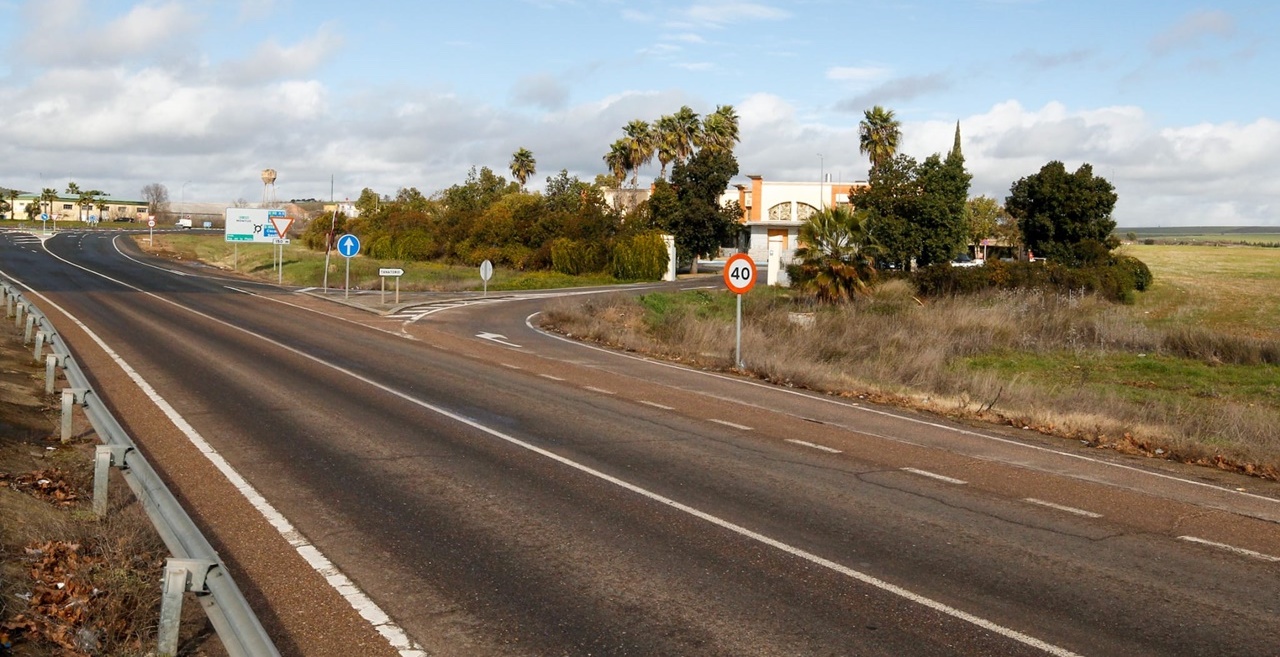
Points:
[(722, 13), (146, 28), (1193, 29), (271, 61)]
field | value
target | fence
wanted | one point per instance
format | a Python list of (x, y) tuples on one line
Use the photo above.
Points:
[(194, 566)]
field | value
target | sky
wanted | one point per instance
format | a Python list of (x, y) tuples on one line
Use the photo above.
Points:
[(1173, 102)]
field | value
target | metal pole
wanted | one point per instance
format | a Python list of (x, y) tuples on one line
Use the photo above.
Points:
[(346, 294), (397, 290), (384, 290), (737, 353)]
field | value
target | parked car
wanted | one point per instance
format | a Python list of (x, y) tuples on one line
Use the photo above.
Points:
[(966, 261)]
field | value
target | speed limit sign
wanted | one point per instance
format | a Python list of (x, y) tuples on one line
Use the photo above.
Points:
[(740, 273)]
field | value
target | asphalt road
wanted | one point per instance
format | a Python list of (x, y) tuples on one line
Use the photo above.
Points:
[(458, 483)]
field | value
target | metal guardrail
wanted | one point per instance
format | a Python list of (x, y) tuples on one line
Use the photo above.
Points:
[(195, 565)]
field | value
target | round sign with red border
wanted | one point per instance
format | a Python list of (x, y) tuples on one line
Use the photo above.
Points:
[(740, 273)]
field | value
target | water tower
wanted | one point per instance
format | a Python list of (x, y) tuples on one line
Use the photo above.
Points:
[(268, 188)]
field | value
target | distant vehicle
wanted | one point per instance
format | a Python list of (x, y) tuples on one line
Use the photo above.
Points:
[(184, 223), (966, 261)]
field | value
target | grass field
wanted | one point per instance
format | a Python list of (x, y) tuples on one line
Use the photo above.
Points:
[(1229, 289)]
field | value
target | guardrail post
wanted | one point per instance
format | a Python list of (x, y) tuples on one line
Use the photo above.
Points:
[(18, 309), (104, 457), (40, 336), (8, 306), (180, 576), (31, 326), (50, 372), (70, 396)]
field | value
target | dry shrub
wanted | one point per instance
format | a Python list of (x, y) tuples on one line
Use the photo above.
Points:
[(892, 346)]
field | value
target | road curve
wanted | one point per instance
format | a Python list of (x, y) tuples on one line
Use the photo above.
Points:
[(516, 494)]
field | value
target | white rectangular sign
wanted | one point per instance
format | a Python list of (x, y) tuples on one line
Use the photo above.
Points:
[(252, 225), (390, 271)]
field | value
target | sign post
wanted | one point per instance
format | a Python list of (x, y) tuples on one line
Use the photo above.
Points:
[(281, 225), (394, 272), (739, 276), (151, 230), (348, 247), (486, 272)]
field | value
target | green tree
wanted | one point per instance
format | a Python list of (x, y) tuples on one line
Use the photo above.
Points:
[(523, 166), (983, 216), (49, 196), (689, 207), (686, 133), (13, 203), (878, 135), (916, 211), (720, 129), (641, 144), (836, 258), (666, 134), (618, 161), (1064, 215)]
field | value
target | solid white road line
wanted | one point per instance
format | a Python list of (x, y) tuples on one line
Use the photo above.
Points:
[(1068, 509), (656, 405), (363, 605), (730, 424), (1231, 548), (934, 475), (823, 448)]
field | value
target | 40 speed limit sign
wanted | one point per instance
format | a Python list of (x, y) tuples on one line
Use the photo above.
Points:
[(740, 273)]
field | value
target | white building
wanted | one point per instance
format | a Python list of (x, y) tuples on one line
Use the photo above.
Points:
[(774, 211)]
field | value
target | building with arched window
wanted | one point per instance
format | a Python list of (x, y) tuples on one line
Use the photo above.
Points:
[(773, 212)]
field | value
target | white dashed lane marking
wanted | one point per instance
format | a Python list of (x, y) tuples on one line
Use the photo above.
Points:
[(1231, 548), (934, 475), (1060, 507), (731, 424), (599, 390), (810, 445), (656, 405)]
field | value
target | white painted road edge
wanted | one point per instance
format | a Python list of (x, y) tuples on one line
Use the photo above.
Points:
[(366, 607), (390, 630)]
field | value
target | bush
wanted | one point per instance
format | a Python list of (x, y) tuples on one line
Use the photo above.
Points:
[(415, 245), (1115, 280), (574, 257), (641, 257), (382, 248)]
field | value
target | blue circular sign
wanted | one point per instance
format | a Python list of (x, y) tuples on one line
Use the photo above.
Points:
[(348, 245), (44, 217)]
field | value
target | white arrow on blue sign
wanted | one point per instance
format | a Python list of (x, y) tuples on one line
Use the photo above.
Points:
[(348, 245)]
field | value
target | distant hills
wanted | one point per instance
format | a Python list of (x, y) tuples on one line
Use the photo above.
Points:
[(1183, 231)]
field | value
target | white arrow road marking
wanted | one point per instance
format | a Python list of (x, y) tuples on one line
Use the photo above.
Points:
[(500, 339)]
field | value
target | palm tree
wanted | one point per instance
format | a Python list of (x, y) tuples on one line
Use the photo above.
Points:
[(618, 159), (49, 195), (836, 260), (13, 200), (74, 190), (687, 133), (665, 130), (523, 165), (641, 144), (720, 129), (878, 135)]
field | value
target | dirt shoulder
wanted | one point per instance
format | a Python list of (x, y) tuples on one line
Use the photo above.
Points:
[(71, 584)]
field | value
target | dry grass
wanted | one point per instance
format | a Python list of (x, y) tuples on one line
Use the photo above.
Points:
[(1071, 365)]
